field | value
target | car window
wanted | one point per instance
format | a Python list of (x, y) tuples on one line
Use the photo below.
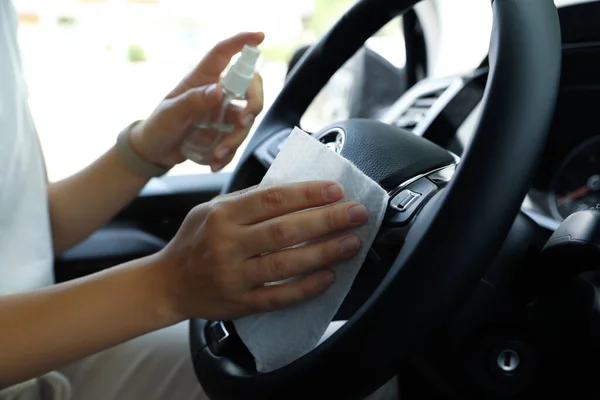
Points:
[(94, 66), (333, 101), (460, 37)]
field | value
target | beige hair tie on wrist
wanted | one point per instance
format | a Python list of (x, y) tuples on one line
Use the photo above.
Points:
[(133, 160)]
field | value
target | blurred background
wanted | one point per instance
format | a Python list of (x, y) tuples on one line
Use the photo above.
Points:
[(93, 66)]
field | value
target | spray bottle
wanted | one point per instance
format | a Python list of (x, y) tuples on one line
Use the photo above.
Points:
[(211, 128)]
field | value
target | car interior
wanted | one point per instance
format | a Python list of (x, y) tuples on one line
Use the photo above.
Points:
[(483, 280)]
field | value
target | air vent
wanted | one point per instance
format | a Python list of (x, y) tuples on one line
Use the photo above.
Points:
[(415, 113)]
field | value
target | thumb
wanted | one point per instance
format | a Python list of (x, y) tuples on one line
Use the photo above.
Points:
[(197, 100)]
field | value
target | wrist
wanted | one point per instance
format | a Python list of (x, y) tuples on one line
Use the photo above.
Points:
[(159, 286), (132, 152), (136, 140)]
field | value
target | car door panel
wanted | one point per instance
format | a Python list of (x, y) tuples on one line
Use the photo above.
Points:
[(144, 227)]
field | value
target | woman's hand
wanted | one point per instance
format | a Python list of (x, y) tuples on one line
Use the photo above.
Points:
[(226, 250), (215, 268), (158, 139)]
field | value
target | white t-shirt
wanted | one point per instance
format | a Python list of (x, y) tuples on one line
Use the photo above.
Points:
[(26, 255)]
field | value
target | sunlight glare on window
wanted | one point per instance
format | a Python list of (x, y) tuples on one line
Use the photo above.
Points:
[(94, 66)]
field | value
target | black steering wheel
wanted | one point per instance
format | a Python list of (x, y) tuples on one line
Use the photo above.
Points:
[(450, 241)]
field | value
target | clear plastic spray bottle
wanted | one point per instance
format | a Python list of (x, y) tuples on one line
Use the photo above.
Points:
[(211, 128)]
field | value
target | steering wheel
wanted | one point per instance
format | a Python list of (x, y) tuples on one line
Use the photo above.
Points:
[(450, 241)]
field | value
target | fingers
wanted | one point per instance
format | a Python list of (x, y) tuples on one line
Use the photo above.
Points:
[(289, 230), (226, 149), (243, 120), (237, 193), (220, 163), (255, 96), (275, 297), (196, 101), (217, 59), (299, 261), (266, 203)]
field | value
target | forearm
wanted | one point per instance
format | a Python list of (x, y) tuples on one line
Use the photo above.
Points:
[(45, 329), (82, 203)]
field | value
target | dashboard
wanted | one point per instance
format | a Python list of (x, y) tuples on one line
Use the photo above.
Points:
[(568, 179)]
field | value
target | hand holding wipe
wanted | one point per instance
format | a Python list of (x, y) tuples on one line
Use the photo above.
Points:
[(277, 338)]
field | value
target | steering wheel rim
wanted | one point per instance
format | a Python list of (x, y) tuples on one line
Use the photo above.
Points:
[(422, 286)]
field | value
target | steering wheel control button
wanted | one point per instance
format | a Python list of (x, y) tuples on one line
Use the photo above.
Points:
[(218, 332), (404, 199), (216, 336), (406, 202), (508, 360)]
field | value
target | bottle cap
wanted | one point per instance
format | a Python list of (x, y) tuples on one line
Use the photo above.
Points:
[(238, 77)]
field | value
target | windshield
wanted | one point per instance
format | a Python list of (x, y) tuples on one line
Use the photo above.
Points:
[(94, 66)]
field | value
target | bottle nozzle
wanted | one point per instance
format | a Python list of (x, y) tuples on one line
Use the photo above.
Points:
[(238, 77), (249, 55)]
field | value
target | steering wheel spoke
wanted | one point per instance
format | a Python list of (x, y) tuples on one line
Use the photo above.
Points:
[(266, 152)]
